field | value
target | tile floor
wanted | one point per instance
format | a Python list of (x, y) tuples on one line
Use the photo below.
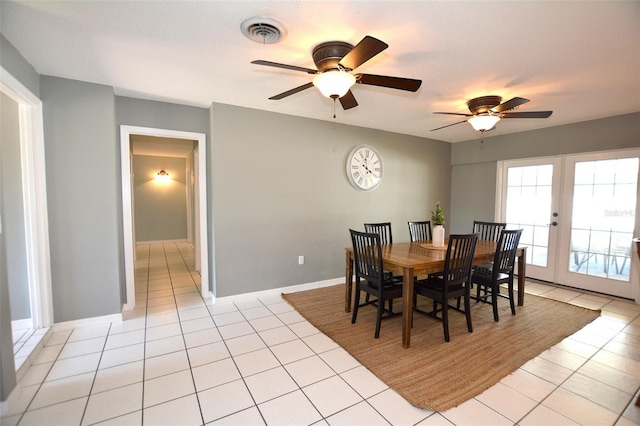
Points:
[(177, 360)]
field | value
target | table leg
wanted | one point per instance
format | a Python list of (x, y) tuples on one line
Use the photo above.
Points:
[(348, 279), (407, 306), (522, 265)]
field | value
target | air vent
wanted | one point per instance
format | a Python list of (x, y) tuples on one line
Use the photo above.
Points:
[(263, 30)]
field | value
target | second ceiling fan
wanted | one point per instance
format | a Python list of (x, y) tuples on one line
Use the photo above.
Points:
[(486, 111), (334, 77)]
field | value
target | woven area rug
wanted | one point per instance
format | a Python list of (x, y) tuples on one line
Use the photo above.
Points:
[(433, 374)]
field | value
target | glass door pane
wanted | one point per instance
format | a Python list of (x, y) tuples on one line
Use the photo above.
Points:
[(603, 217), (529, 203)]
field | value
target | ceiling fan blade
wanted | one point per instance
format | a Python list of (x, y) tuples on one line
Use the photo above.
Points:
[(510, 104), (348, 101), (454, 113), (285, 66), (449, 125), (291, 92), (528, 114), (362, 52), (408, 84)]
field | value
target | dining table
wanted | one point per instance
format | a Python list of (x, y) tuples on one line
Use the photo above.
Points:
[(419, 258)]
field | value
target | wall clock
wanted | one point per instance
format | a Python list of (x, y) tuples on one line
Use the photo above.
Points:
[(364, 168)]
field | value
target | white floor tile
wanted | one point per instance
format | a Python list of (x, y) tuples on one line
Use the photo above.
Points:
[(202, 337), (164, 346), (291, 351), (215, 374), (579, 409), (73, 366), (122, 355), (248, 417), (255, 362), (197, 324), (183, 411), (243, 344), (361, 414), (165, 364), (396, 409), (120, 375), (207, 353), (364, 381), (224, 400), (63, 414), (266, 323), (166, 388), (474, 412), (56, 391), (340, 360), (309, 370), (113, 403), (82, 347), (331, 395), (278, 335), (511, 404), (270, 384), (126, 338), (291, 409)]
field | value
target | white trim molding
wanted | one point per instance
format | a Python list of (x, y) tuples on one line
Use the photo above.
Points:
[(127, 205), (34, 189)]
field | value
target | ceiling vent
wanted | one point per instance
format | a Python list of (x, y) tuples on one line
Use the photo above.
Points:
[(263, 30)]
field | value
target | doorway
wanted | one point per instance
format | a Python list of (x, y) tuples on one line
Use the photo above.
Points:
[(35, 198), (200, 202), (579, 215)]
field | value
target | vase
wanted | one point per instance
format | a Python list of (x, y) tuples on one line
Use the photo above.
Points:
[(438, 236)]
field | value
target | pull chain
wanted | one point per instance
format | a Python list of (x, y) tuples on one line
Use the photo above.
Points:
[(334, 107)]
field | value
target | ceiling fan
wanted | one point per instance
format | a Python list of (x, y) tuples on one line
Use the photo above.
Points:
[(335, 62), (486, 111)]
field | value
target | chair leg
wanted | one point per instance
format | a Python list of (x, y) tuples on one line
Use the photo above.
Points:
[(445, 320), (379, 317), (511, 298), (356, 304), (494, 300), (467, 311)]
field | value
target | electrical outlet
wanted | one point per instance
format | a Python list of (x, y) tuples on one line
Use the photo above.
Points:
[(300, 260)]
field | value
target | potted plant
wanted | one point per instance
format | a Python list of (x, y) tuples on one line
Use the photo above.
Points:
[(437, 220)]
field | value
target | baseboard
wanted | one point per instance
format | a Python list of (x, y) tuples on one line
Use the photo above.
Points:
[(278, 291), (87, 322)]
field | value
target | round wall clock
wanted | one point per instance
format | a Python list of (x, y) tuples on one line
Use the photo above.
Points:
[(364, 168)]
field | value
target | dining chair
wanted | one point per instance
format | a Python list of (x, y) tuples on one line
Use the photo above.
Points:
[(371, 278), (386, 237), (489, 231), (383, 229), (499, 272), (420, 231), (453, 283)]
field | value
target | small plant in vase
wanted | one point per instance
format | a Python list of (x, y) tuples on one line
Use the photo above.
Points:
[(437, 220)]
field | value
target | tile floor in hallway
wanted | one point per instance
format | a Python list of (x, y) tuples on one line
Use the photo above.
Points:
[(178, 360)]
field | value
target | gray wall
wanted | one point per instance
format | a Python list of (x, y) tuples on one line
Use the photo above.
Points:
[(13, 209), (280, 190), (83, 177), (160, 207), (474, 165), (12, 61)]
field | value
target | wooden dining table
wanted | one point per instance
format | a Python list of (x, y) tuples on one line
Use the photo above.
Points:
[(420, 258)]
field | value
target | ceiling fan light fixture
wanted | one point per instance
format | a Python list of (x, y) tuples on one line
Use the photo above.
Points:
[(482, 123), (334, 83)]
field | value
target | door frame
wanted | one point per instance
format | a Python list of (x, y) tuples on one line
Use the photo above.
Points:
[(547, 273), (127, 205), (34, 187)]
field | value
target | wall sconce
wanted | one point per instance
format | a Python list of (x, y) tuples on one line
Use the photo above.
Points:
[(163, 176)]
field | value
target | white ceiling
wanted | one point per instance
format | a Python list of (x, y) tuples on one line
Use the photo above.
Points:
[(579, 59)]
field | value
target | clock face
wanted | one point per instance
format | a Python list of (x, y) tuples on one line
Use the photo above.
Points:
[(364, 168)]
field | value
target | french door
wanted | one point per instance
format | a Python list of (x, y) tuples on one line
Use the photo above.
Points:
[(579, 216)]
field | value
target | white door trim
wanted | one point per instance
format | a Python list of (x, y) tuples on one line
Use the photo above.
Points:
[(127, 218), (34, 189)]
